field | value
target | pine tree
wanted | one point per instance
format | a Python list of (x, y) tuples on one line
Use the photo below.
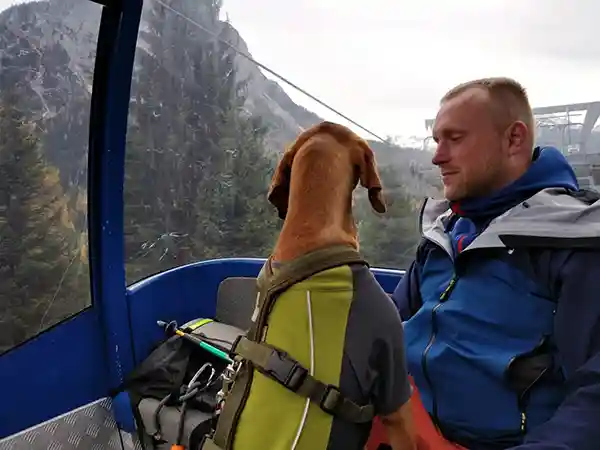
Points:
[(389, 240), (247, 221), (196, 166), (38, 244), (154, 151)]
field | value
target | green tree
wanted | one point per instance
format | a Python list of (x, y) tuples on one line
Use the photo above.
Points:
[(389, 240), (196, 169), (248, 223), (40, 278)]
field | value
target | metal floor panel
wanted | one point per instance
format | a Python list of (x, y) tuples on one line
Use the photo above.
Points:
[(131, 441), (90, 427)]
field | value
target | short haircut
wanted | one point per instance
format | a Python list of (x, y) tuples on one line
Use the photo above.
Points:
[(509, 98)]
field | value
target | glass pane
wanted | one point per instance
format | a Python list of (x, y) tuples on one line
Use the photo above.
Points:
[(206, 127), (198, 161), (207, 124), (47, 52)]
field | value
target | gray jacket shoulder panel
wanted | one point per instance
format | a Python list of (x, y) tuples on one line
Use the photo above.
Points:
[(549, 214)]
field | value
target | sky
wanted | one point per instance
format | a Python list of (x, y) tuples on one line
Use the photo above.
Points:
[(386, 63), (6, 3)]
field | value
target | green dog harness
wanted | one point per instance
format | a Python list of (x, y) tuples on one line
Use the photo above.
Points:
[(279, 374)]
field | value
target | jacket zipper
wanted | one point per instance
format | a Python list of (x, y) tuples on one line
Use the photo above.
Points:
[(523, 400), (434, 328)]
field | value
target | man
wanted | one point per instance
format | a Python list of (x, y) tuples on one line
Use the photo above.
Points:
[(501, 306)]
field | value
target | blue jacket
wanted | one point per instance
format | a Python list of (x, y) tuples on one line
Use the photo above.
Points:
[(502, 314)]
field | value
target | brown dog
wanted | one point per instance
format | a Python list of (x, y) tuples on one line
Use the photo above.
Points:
[(312, 191)]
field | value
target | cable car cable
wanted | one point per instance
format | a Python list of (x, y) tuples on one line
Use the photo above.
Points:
[(272, 72)]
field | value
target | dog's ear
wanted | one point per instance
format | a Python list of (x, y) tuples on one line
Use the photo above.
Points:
[(369, 177), (279, 191)]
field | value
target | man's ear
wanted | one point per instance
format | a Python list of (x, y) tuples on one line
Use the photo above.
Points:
[(369, 177), (279, 191)]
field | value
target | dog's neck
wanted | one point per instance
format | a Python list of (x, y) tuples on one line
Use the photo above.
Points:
[(319, 215)]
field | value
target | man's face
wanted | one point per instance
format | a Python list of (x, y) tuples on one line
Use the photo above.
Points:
[(470, 151)]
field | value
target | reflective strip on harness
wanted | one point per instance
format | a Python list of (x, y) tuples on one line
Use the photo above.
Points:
[(288, 372)]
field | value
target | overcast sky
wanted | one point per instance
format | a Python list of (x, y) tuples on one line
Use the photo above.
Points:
[(6, 3), (385, 63)]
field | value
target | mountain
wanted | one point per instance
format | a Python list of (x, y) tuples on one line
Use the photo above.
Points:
[(52, 44), (48, 49)]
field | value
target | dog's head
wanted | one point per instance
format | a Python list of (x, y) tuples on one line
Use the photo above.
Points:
[(361, 156)]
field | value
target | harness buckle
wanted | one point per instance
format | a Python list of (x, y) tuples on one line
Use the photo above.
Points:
[(331, 399), (285, 370)]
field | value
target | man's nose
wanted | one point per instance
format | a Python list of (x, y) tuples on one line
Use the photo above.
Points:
[(440, 155)]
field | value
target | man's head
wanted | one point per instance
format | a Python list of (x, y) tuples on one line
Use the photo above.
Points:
[(484, 132)]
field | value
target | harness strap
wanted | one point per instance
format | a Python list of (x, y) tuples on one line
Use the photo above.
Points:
[(270, 284), (209, 444), (288, 372)]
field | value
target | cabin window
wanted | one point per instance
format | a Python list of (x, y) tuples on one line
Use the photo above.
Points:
[(198, 162), (47, 53), (206, 128)]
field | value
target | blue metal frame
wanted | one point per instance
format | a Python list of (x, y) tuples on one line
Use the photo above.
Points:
[(110, 106), (77, 361)]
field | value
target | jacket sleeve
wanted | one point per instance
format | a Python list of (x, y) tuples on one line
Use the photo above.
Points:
[(407, 296), (576, 424)]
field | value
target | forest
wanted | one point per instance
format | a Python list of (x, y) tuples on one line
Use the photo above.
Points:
[(198, 165)]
